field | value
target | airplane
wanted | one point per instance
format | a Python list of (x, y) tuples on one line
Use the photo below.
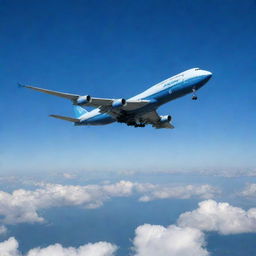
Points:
[(137, 111)]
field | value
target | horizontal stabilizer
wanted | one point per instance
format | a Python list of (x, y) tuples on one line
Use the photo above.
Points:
[(55, 93), (66, 118)]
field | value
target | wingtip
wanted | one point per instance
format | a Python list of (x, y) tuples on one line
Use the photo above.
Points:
[(21, 85)]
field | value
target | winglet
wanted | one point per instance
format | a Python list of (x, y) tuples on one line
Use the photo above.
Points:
[(20, 85)]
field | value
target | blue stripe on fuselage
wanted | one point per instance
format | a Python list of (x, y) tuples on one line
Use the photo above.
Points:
[(99, 119), (178, 90)]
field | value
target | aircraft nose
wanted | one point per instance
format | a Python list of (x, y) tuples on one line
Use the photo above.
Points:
[(206, 75), (209, 74)]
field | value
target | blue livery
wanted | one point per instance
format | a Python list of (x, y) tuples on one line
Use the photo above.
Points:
[(137, 111)]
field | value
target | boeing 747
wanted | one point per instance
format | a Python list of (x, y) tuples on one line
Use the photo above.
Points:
[(137, 111)]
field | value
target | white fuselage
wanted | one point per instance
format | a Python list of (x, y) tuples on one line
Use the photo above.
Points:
[(167, 90)]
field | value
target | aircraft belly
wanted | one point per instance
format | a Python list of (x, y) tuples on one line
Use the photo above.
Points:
[(149, 107)]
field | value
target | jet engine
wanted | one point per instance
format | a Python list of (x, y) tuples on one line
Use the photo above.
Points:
[(83, 100), (164, 119), (118, 103)]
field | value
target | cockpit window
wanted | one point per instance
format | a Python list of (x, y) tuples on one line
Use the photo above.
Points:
[(197, 69)]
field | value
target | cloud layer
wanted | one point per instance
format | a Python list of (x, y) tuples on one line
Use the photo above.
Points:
[(250, 190), (10, 248), (220, 217), (155, 192), (22, 206), (149, 240), (186, 238)]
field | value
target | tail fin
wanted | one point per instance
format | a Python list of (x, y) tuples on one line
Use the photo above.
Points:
[(79, 111)]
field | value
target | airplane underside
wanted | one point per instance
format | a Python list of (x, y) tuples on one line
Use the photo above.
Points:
[(143, 118), (130, 120)]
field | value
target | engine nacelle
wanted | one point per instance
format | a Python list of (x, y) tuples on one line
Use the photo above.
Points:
[(118, 103), (83, 100), (164, 119)]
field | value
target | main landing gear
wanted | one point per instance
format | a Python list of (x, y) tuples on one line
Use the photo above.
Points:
[(139, 125), (194, 97), (136, 124)]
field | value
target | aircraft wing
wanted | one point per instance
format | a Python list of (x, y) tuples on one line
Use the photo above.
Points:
[(154, 119), (104, 104), (55, 93)]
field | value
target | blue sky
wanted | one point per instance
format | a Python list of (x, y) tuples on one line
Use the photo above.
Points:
[(118, 49)]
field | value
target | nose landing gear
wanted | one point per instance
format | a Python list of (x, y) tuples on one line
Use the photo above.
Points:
[(194, 97)]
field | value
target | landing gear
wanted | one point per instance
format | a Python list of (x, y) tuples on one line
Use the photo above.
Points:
[(136, 125), (194, 97), (139, 125)]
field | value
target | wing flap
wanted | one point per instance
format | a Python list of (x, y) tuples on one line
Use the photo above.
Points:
[(98, 102), (151, 117), (129, 106), (134, 104), (154, 119)]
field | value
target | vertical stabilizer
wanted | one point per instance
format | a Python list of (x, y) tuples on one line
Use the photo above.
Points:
[(79, 111)]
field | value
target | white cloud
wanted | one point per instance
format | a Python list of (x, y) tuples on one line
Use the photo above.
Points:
[(24, 205), (184, 239), (221, 217), (3, 229), (151, 240), (126, 172), (96, 249), (69, 176), (249, 191), (182, 192), (10, 248), (227, 172), (222, 172)]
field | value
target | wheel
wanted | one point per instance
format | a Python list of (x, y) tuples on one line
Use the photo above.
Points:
[(194, 97)]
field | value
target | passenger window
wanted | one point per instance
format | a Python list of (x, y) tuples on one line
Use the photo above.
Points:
[(174, 81)]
